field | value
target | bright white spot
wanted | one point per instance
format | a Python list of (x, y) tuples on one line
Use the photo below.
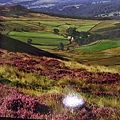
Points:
[(73, 101)]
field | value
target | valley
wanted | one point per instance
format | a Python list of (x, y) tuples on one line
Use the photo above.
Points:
[(40, 65)]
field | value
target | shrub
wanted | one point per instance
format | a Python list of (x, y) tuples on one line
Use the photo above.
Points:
[(61, 46), (15, 104)]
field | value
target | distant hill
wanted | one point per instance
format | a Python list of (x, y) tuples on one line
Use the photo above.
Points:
[(18, 46), (76, 8), (16, 11), (91, 8), (13, 10)]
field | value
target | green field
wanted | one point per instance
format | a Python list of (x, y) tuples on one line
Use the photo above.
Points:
[(63, 25), (42, 38), (106, 25), (41, 32), (103, 45), (49, 25)]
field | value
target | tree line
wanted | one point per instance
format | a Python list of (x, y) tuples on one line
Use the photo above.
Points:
[(82, 38)]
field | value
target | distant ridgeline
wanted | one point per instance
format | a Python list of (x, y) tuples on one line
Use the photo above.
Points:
[(106, 11), (77, 16), (13, 10), (84, 9)]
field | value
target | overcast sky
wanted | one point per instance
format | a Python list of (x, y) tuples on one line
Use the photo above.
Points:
[(37, 0), (48, 0)]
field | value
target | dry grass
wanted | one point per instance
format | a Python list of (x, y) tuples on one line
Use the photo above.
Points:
[(105, 24), (114, 51), (92, 68)]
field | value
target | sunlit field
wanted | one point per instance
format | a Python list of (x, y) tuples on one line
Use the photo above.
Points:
[(103, 45)]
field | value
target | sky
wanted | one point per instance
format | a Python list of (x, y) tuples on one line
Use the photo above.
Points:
[(41, 1), (47, 1)]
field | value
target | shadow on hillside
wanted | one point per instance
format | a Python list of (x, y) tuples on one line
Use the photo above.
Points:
[(13, 45)]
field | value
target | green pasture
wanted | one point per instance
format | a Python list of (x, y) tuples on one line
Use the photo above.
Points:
[(85, 27), (62, 25), (24, 23), (114, 27), (40, 34), (103, 45), (46, 47), (106, 25), (16, 23), (44, 39), (46, 36)]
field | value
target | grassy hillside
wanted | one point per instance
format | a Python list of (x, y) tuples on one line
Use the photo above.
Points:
[(105, 25), (42, 38), (34, 82), (32, 79), (109, 29), (17, 46), (103, 45), (114, 51), (42, 32)]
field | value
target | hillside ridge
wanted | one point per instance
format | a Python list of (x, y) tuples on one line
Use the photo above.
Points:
[(76, 8), (13, 45)]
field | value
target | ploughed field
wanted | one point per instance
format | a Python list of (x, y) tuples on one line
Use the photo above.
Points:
[(34, 87)]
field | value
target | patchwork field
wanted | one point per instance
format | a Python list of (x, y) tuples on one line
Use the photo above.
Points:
[(41, 32)]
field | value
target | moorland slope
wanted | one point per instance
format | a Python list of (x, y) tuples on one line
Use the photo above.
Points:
[(33, 83), (18, 46)]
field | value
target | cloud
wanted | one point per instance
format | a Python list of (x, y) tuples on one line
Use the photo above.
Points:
[(21, 0), (38, 1), (43, 1), (47, 1)]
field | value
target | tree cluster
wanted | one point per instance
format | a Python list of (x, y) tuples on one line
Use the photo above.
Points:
[(56, 31), (82, 38), (61, 46), (29, 41)]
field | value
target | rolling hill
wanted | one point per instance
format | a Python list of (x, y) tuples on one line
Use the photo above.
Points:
[(16, 11), (34, 82), (76, 8), (37, 85), (40, 29), (17, 46)]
